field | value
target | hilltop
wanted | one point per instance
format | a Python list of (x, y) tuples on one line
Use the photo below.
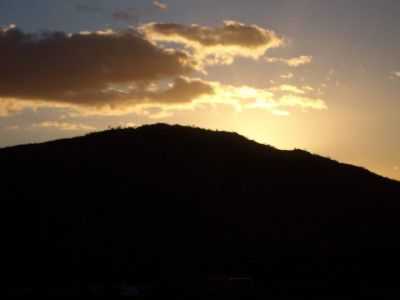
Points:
[(172, 208)]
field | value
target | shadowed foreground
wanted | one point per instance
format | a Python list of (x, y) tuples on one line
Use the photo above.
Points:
[(188, 213)]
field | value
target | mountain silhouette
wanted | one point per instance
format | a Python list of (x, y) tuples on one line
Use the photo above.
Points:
[(188, 213)]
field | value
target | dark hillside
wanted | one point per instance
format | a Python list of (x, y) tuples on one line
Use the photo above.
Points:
[(179, 211)]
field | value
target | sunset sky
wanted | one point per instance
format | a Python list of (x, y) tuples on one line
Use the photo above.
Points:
[(312, 74)]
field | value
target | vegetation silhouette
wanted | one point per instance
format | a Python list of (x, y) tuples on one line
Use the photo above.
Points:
[(189, 213)]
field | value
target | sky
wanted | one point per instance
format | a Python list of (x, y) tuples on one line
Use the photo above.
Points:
[(317, 75)]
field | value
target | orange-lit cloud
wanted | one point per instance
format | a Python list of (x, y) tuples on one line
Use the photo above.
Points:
[(10, 106), (246, 97), (288, 88), (291, 62), (190, 94), (212, 94), (120, 100), (97, 73), (216, 45), (302, 102)]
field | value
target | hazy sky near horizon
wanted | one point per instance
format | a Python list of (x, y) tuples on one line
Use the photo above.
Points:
[(318, 75)]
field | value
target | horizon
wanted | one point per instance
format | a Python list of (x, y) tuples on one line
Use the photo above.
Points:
[(305, 74), (194, 127)]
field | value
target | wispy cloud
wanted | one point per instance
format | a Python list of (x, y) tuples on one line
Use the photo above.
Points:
[(287, 76), (288, 88), (291, 62), (160, 5), (65, 126), (11, 106), (308, 88), (247, 97)]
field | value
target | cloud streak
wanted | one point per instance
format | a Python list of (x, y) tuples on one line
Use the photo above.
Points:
[(65, 126), (288, 88), (246, 97), (287, 76), (160, 5), (292, 62)]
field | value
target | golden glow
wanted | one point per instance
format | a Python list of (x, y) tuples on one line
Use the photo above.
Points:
[(245, 97), (64, 126)]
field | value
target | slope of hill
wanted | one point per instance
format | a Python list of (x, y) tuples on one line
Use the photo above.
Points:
[(187, 212)]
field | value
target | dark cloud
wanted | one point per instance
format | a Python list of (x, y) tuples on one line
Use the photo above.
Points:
[(85, 68), (216, 45), (230, 34), (185, 90), (181, 90)]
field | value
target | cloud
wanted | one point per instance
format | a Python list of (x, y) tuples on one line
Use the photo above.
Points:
[(288, 88), (7, 28), (190, 94), (216, 45), (247, 97), (287, 76), (184, 90), (115, 73), (308, 88), (122, 100), (84, 68), (292, 62), (302, 102), (160, 5), (65, 126), (11, 106), (206, 94)]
